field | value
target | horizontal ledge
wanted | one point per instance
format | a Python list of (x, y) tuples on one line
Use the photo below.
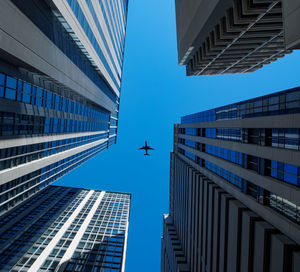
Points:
[(274, 121), (24, 169), (7, 143), (289, 156), (277, 187)]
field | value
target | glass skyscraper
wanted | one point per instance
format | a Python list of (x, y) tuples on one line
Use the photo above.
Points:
[(235, 188), (60, 81), (66, 229)]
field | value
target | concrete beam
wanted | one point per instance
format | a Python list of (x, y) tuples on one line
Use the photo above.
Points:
[(281, 121), (291, 14), (271, 153), (281, 188)]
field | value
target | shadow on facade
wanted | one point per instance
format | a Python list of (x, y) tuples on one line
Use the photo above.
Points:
[(106, 255)]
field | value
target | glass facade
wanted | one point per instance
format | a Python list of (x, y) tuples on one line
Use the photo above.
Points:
[(285, 102), (51, 124), (17, 190), (80, 117), (68, 228), (205, 144), (28, 153)]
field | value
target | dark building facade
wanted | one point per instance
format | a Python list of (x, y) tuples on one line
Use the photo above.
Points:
[(234, 36), (235, 188), (60, 80), (66, 229)]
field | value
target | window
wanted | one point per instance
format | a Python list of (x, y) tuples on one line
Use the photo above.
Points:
[(46, 264), (26, 93), (285, 172)]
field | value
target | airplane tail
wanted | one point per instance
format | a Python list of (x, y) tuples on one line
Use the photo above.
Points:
[(146, 154)]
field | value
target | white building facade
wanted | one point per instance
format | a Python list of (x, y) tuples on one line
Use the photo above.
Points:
[(66, 229)]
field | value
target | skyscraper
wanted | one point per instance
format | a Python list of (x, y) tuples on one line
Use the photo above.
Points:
[(60, 79), (66, 229), (235, 188), (234, 36)]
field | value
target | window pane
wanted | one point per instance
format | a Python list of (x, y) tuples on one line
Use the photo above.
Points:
[(11, 82), (26, 93), (1, 91), (10, 94), (2, 78)]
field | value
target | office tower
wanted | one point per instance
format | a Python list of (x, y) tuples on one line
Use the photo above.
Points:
[(60, 77), (66, 229), (235, 188), (234, 36)]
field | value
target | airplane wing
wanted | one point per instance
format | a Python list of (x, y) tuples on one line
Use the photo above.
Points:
[(150, 148), (142, 148)]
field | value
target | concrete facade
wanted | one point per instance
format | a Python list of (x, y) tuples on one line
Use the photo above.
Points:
[(217, 232), (291, 13), (235, 188), (226, 37)]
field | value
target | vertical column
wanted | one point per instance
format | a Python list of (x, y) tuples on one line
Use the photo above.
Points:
[(224, 232), (40, 260), (247, 240), (234, 235), (210, 227), (200, 214), (68, 254), (197, 219), (261, 256), (281, 253), (216, 229)]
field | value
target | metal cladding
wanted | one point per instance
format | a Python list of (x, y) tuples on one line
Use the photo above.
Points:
[(250, 35)]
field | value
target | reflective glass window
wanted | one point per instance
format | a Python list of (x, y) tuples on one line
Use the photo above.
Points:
[(26, 93), (11, 82), (10, 94), (39, 97)]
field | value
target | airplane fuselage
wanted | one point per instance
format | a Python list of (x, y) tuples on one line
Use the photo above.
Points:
[(146, 148)]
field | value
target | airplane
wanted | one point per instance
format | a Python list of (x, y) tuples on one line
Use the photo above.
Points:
[(146, 148)]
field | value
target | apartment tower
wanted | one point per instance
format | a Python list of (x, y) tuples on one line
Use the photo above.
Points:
[(234, 36), (60, 81), (235, 188), (66, 229)]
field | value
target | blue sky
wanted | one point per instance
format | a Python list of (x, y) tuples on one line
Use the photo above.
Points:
[(155, 94)]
